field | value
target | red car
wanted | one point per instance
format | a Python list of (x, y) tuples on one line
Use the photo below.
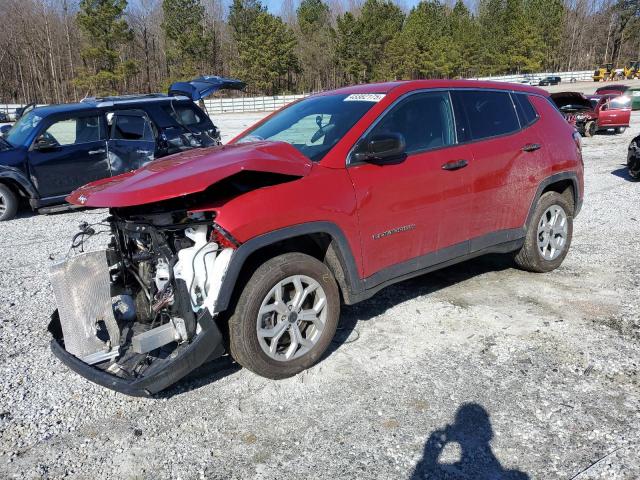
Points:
[(252, 247), (614, 111), (613, 89), (594, 113)]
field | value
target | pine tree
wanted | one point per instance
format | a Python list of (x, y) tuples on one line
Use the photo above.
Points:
[(265, 45), (316, 43), (361, 41), (187, 40), (106, 31)]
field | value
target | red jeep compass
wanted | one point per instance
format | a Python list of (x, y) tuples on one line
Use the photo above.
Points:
[(253, 246)]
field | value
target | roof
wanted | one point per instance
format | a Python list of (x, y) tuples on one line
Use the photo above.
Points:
[(103, 102), (387, 87)]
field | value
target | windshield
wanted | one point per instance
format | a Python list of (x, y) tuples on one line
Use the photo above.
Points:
[(19, 133), (314, 125)]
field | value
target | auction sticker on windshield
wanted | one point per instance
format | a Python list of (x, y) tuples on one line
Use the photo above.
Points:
[(364, 97)]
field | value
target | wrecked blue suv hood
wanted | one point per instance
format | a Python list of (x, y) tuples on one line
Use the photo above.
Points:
[(204, 86)]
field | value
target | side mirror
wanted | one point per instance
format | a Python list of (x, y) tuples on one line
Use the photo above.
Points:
[(385, 149), (4, 129), (43, 143)]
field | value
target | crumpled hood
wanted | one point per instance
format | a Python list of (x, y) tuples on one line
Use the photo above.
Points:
[(190, 172)]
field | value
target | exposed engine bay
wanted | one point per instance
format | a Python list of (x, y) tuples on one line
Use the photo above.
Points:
[(143, 302)]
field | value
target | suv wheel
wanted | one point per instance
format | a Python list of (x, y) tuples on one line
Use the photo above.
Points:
[(590, 128), (548, 236), (8, 203), (286, 316)]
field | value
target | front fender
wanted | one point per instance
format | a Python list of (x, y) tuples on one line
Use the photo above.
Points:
[(16, 176), (352, 281)]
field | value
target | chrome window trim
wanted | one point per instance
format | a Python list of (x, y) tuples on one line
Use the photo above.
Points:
[(349, 162)]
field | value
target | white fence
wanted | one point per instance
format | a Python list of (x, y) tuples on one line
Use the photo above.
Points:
[(249, 104), (584, 75), (216, 106)]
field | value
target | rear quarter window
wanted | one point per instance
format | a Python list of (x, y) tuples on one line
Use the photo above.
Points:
[(488, 113), (185, 115), (525, 110)]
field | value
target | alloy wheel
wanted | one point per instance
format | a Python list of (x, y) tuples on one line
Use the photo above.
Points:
[(552, 232), (291, 318)]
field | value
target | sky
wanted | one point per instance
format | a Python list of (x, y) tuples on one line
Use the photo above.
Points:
[(275, 5)]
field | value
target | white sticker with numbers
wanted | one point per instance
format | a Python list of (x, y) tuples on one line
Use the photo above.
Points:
[(364, 97)]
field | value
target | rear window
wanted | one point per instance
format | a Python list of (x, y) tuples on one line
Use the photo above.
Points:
[(488, 113), (525, 110)]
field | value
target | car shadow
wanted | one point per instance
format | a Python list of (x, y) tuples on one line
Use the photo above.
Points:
[(623, 172), (471, 431), (407, 290), (385, 299)]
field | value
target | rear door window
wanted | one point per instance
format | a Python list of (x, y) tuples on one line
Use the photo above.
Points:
[(488, 113), (425, 120), (131, 127)]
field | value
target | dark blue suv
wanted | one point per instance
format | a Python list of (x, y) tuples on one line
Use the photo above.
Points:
[(53, 150)]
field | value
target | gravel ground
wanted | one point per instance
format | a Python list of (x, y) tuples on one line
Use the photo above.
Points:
[(478, 371)]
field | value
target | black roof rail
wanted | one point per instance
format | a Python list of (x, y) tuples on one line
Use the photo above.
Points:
[(122, 98)]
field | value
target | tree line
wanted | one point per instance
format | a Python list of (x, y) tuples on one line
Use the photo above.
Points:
[(64, 50)]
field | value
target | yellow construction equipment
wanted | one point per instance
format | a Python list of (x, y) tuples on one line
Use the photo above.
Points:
[(603, 73), (632, 70)]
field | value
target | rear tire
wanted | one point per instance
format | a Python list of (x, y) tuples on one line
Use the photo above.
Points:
[(277, 330), (8, 203), (548, 235), (621, 130)]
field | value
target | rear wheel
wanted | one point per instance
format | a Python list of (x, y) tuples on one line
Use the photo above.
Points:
[(8, 203), (621, 130), (548, 235), (285, 317)]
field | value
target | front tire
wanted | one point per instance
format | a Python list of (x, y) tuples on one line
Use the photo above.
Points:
[(548, 236), (286, 316), (8, 203), (590, 128)]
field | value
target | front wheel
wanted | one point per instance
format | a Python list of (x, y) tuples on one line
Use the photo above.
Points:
[(590, 128), (548, 235), (286, 316), (8, 203)]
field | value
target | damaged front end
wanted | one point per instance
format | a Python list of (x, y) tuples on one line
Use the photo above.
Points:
[(139, 315)]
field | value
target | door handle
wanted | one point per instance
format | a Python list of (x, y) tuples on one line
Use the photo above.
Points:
[(95, 152), (455, 165), (531, 147)]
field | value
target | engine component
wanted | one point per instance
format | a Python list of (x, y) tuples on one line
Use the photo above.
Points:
[(173, 331)]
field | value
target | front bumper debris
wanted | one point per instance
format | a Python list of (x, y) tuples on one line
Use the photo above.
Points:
[(208, 345)]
